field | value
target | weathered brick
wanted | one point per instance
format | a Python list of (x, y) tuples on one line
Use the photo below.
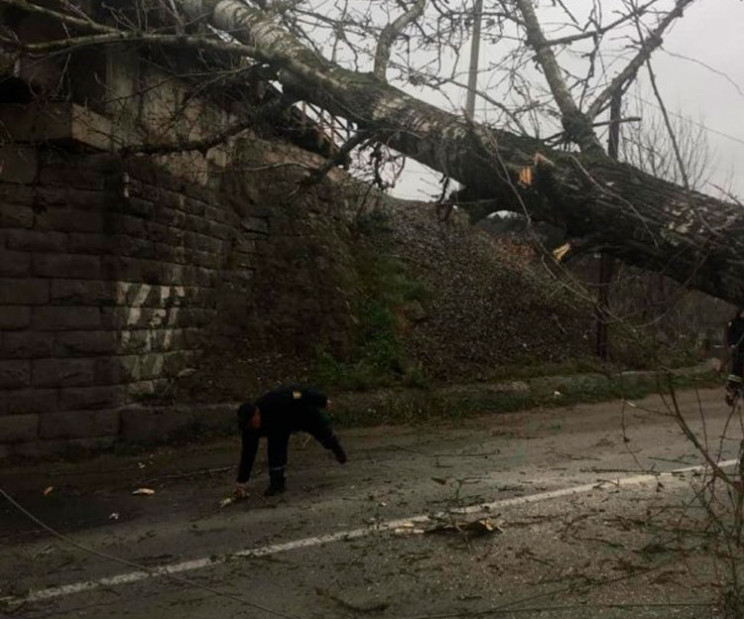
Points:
[(171, 253), (11, 193), (177, 361), (145, 388), (201, 242), (216, 214), (133, 318), (255, 224), (245, 246), (19, 428), (142, 423), (239, 277), (15, 374), (125, 318), (138, 207), (126, 224), (24, 291), (44, 449), (143, 176), (63, 372), (220, 231), (196, 296), (31, 401), (69, 220), (84, 171), (14, 317), (170, 217), (167, 340), (69, 197), (138, 341), (171, 199), (79, 424), (16, 216), (145, 295), (174, 274), (152, 366), (116, 370), (193, 317), (133, 269), (161, 233), (206, 260), (82, 398), (37, 240), (90, 243), (175, 296), (14, 263), (85, 343), (26, 345), (199, 276), (193, 338), (135, 247), (83, 292), (200, 193), (63, 318), (18, 164), (133, 294), (67, 265), (197, 223)]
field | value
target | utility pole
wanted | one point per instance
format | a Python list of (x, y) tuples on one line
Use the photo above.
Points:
[(474, 54), (607, 262)]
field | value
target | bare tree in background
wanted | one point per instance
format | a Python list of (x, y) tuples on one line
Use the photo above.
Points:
[(647, 146)]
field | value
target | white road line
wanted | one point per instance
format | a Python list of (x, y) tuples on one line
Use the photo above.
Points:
[(308, 542)]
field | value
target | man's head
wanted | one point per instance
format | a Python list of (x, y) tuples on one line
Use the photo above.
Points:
[(249, 417)]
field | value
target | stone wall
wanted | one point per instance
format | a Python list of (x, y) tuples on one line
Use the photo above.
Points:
[(111, 273)]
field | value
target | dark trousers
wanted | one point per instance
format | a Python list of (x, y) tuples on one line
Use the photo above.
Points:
[(734, 382), (737, 363), (278, 443)]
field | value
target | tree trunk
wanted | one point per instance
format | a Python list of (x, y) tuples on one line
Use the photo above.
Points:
[(608, 206)]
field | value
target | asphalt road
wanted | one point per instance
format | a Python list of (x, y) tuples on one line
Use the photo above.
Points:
[(567, 512)]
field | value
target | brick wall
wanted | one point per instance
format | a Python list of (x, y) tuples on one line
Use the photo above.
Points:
[(111, 273)]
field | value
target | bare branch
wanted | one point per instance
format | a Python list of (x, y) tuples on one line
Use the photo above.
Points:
[(604, 123), (317, 175), (390, 33), (577, 126), (668, 124), (648, 46), (86, 24), (573, 38), (120, 36)]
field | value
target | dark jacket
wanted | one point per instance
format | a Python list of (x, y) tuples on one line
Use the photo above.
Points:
[(283, 412)]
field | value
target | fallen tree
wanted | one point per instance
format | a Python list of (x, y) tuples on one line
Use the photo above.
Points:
[(601, 204)]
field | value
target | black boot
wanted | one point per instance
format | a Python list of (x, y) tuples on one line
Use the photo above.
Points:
[(731, 393), (276, 484)]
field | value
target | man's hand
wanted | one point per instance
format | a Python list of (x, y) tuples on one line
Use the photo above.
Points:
[(241, 491)]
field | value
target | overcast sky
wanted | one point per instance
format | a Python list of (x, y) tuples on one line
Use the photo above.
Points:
[(700, 72)]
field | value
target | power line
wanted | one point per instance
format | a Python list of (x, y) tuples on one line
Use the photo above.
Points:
[(139, 566)]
